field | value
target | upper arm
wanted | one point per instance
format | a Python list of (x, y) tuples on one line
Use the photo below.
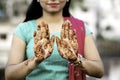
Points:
[(17, 51), (90, 50)]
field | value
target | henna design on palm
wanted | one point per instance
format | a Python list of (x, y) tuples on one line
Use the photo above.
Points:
[(43, 45), (67, 44)]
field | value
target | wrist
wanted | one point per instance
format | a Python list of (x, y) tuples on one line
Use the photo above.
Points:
[(37, 60), (79, 60), (32, 63)]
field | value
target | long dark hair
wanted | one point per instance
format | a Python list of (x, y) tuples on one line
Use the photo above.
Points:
[(35, 10)]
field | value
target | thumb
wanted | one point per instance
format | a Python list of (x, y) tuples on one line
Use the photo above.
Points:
[(52, 40), (58, 41)]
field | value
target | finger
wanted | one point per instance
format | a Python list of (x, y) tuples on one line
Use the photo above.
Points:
[(34, 34), (74, 35), (39, 32), (35, 39), (70, 33), (63, 31), (66, 33), (42, 23), (67, 23), (52, 41), (39, 27), (58, 41), (70, 25), (60, 50), (66, 29), (47, 32), (43, 29)]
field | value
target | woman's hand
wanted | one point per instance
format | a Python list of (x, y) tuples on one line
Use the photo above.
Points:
[(67, 45), (43, 45)]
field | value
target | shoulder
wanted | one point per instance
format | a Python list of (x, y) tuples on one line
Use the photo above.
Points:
[(26, 24), (25, 29)]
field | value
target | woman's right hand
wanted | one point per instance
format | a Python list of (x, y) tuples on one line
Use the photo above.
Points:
[(43, 45), (67, 44)]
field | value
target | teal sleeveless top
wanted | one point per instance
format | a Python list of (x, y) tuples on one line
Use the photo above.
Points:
[(52, 68)]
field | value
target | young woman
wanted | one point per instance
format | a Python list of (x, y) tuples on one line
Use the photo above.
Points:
[(48, 43)]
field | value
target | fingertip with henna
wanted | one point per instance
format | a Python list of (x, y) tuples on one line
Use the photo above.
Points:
[(57, 40), (53, 38), (38, 27), (34, 33)]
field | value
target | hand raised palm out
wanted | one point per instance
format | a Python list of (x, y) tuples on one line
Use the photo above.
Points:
[(43, 45), (67, 44)]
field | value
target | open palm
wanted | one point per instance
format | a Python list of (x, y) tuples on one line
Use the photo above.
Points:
[(68, 45), (43, 45)]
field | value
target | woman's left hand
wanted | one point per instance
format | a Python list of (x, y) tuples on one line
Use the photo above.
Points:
[(67, 44)]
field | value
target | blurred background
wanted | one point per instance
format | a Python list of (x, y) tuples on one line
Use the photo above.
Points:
[(102, 16)]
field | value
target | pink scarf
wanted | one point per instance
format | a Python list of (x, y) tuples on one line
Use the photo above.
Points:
[(75, 73)]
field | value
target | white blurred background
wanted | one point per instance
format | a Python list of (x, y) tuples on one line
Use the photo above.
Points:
[(102, 16)]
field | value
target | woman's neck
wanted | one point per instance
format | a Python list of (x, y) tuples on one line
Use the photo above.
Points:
[(52, 18), (54, 21)]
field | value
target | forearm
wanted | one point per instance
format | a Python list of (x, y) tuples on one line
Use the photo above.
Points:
[(93, 67), (19, 71)]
